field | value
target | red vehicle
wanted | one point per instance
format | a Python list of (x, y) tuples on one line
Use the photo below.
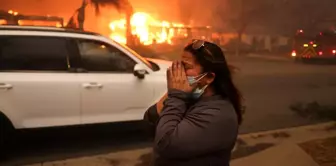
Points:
[(320, 47), (303, 46), (326, 45)]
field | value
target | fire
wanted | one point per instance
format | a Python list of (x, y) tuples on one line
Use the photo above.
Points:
[(40, 23), (146, 28), (3, 22), (12, 12)]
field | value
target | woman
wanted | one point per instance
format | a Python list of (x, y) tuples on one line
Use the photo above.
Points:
[(197, 121)]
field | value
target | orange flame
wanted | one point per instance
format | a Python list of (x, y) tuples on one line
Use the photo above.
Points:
[(146, 28)]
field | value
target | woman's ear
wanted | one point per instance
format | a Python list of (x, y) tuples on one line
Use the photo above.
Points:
[(210, 77)]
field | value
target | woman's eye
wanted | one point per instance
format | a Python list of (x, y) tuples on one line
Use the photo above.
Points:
[(187, 66)]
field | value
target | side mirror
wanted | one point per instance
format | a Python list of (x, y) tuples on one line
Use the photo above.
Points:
[(139, 71)]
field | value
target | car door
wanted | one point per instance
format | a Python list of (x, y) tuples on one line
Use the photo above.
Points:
[(110, 91), (36, 89)]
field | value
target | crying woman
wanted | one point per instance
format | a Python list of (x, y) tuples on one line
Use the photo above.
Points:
[(196, 122)]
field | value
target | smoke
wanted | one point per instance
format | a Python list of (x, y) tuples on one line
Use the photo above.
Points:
[(66, 8), (201, 12), (191, 12), (42, 7)]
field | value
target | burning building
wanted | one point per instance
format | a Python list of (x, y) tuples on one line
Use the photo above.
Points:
[(147, 29)]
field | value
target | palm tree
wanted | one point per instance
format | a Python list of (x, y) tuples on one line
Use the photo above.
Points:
[(123, 6)]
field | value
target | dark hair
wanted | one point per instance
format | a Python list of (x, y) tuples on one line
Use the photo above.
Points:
[(223, 83)]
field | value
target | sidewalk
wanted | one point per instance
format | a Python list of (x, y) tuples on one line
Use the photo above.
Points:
[(285, 154), (271, 148), (270, 56), (285, 147)]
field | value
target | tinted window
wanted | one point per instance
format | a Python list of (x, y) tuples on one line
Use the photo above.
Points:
[(100, 57), (33, 53)]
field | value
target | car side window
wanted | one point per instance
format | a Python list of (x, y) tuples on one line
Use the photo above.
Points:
[(101, 57), (34, 53)]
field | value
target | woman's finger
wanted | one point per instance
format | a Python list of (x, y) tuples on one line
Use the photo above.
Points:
[(179, 69), (172, 67), (183, 74), (175, 69), (170, 73)]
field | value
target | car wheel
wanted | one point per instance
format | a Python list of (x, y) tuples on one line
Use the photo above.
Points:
[(6, 132)]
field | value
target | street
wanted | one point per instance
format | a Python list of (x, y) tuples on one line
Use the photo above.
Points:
[(269, 87)]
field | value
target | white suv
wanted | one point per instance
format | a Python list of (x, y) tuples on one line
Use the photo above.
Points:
[(56, 77)]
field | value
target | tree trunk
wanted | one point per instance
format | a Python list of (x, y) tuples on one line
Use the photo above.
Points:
[(81, 16)]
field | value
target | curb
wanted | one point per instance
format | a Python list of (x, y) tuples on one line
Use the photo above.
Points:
[(290, 129), (294, 135)]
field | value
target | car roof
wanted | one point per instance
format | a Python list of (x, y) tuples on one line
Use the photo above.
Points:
[(45, 29)]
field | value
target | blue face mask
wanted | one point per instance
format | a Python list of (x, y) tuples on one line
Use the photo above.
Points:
[(194, 79), (197, 93)]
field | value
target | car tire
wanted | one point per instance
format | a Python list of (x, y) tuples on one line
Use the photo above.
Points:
[(6, 132)]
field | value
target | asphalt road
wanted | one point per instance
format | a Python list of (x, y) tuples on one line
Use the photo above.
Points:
[(269, 88)]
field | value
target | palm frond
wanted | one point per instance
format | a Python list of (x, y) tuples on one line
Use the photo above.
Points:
[(97, 8), (115, 3)]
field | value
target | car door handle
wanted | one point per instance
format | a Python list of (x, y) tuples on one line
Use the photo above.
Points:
[(92, 85), (5, 86)]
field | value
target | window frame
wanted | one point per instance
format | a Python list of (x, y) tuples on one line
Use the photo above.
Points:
[(71, 54)]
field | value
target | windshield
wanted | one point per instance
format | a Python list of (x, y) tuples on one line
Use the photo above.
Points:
[(145, 61), (146, 51)]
